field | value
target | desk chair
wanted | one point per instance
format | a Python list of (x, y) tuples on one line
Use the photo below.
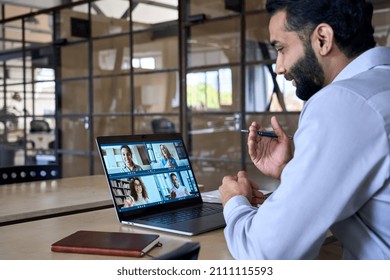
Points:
[(28, 173), (163, 125), (39, 126), (188, 251)]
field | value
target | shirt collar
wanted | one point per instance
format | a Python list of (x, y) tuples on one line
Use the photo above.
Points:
[(367, 60)]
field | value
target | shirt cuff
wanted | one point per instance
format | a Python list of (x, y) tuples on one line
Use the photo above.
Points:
[(233, 203)]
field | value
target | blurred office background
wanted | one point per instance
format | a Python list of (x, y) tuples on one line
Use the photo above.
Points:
[(74, 70)]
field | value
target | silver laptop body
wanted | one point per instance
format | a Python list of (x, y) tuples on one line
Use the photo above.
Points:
[(170, 199)]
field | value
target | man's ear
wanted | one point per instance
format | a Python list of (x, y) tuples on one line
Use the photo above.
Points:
[(323, 39)]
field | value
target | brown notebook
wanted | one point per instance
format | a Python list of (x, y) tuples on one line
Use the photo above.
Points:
[(107, 243)]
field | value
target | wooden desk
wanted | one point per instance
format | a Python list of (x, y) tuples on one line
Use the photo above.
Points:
[(32, 240), (41, 199)]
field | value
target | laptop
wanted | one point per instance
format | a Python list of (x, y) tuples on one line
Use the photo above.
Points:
[(156, 188)]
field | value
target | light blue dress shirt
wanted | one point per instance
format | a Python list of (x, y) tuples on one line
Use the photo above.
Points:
[(338, 178)]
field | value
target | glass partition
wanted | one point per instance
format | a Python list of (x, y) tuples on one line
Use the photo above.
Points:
[(156, 50), (75, 128), (156, 93), (75, 97), (110, 17), (109, 54), (74, 61), (74, 24), (111, 125), (200, 9), (215, 42), (156, 124), (110, 67), (112, 95)]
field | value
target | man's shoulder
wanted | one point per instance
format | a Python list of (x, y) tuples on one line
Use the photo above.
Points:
[(365, 85), (378, 75), (366, 73)]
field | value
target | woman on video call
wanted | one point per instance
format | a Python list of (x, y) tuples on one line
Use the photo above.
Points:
[(167, 159), (138, 193), (127, 157)]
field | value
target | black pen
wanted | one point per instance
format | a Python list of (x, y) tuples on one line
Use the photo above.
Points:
[(264, 133)]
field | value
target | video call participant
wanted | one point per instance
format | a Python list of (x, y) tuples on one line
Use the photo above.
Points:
[(127, 157), (177, 190), (138, 193), (167, 159)]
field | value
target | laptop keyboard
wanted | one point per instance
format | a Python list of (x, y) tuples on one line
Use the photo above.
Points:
[(184, 215)]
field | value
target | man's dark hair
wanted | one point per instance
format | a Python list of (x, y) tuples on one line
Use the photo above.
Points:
[(350, 20)]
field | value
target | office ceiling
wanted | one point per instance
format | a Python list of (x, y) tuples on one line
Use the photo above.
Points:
[(159, 11), (144, 11), (44, 4), (36, 4), (148, 11)]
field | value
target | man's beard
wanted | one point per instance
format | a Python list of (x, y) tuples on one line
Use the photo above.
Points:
[(308, 75)]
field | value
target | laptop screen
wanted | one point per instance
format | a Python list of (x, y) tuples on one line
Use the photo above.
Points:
[(146, 171)]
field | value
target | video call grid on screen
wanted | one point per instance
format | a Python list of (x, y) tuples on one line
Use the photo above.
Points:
[(155, 175)]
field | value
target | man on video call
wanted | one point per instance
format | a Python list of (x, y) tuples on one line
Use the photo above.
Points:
[(338, 176)]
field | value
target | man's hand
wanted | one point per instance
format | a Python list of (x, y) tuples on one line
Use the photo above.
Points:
[(270, 155), (240, 185)]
